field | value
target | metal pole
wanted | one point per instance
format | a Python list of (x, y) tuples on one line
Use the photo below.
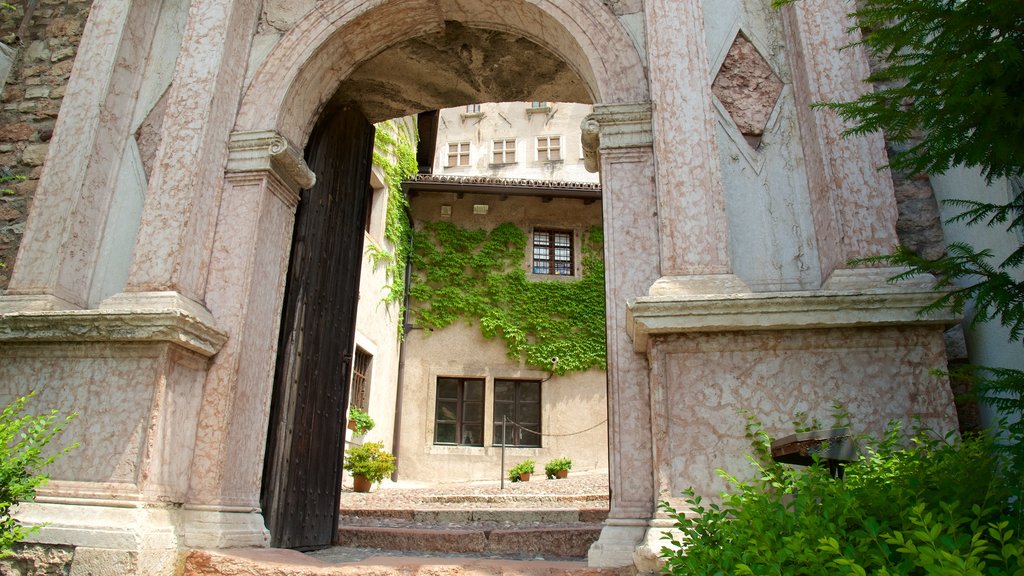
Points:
[(504, 426)]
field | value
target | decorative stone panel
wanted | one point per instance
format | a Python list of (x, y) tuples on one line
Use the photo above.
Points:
[(748, 89)]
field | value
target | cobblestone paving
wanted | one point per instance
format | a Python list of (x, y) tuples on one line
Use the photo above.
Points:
[(579, 490)]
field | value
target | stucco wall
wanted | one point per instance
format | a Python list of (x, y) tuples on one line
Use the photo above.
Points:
[(377, 327), (576, 402), (988, 344), (524, 123), (570, 404)]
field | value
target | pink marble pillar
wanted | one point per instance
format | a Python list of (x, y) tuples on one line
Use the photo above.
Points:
[(852, 201), (245, 290), (691, 210), (172, 253), (631, 266), (60, 250)]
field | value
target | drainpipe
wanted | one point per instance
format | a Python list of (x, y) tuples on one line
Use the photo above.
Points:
[(396, 433)]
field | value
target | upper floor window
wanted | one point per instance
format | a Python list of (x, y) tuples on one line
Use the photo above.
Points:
[(504, 151), (473, 109), (549, 148), (538, 108), (552, 252), (458, 154), (459, 412)]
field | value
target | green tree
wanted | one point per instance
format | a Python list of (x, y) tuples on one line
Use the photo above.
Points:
[(23, 457)]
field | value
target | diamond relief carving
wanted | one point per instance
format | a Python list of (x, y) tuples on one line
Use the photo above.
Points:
[(748, 89)]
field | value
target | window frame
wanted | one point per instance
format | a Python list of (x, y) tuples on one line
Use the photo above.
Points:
[(544, 152), (504, 151), (461, 150), (461, 402), (359, 382), (551, 248), (517, 402)]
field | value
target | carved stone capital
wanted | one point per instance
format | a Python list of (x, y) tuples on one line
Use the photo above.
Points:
[(268, 151), (615, 126)]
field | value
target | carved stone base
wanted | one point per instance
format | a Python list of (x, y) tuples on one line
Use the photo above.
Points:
[(137, 540), (617, 544)]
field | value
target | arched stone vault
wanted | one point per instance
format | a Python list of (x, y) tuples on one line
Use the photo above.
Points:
[(330, 44)]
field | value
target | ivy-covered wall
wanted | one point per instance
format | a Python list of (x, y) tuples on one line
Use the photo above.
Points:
[(478, 276)]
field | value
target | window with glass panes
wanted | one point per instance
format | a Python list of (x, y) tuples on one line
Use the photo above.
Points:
[(519, 400), (504, 151), (549, 148), (552, 252), (459, 413), (458, 154)]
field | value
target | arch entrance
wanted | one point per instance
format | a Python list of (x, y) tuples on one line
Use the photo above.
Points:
[(392, 61)]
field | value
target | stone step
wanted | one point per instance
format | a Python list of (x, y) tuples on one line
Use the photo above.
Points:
[(548, 542), (265, 561), (461, 516)]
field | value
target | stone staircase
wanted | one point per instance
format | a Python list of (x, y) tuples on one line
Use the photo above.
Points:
[(541, 532)]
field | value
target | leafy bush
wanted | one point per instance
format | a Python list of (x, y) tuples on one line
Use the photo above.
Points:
[(557, 465), (927, 505), (363, 422), (524, 467), (22, 460), (369, 460)]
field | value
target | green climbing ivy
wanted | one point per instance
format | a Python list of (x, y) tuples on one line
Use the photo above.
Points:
[(477, 276), (395, 152)]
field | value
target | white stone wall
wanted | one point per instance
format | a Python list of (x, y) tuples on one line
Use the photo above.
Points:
[(518, 120)]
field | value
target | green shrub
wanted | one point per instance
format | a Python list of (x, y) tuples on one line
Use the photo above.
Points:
[(524, 467), (363, 422), (370, 460), (557, 465), (924, 505), (22, 460)]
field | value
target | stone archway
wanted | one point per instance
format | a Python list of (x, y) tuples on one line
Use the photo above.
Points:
[(301, 75)]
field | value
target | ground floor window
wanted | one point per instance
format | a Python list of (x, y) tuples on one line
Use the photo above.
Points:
[(519, 400), (360, 394), (459, 415)]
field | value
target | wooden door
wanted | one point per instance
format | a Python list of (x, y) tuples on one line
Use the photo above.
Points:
[(305, 442)]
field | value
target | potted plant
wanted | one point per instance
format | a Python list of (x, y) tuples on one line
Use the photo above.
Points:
[(359, 421), (369, 463), (558, 468), (521, 472)]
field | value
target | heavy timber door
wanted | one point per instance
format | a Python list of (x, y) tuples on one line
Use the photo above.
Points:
[(301, 476)]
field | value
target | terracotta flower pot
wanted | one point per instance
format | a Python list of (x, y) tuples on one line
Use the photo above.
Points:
[(351, 424), (562, 474), (361, 483), (524, 477)]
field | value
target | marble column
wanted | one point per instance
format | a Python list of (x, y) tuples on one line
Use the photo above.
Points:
[(251, 247), (60, 250), (631, 266), (852, 200), (172, 254), (691, 210)]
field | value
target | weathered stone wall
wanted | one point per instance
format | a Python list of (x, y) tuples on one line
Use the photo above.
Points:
[(45, 41), (38, 560)]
